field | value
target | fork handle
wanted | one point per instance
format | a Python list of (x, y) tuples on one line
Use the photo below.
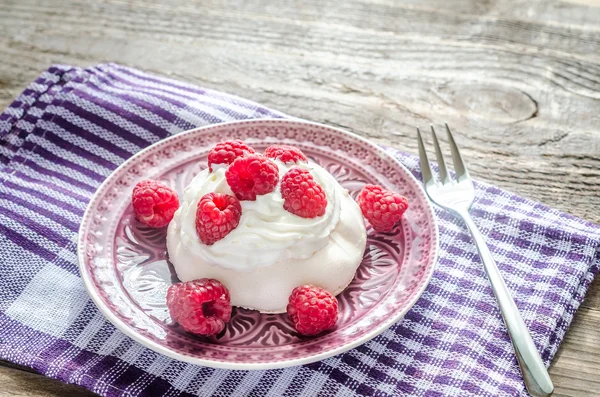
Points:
[(535, 375)]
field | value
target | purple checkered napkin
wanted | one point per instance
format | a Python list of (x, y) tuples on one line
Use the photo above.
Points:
[(71, 127)]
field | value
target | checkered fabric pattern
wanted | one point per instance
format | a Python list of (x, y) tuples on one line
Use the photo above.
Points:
[(72, 127)]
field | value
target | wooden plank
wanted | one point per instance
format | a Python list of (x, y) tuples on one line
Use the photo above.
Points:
[(519, 82), (576, 365), (16, 382), (524, 114)]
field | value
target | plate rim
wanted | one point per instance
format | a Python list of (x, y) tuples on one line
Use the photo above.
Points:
[(149, 343)]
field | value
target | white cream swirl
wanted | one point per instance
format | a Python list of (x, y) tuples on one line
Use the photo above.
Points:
[(271, 251), (267, 233)]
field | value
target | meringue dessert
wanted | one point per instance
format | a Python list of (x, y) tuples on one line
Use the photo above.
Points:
[(268, 250)]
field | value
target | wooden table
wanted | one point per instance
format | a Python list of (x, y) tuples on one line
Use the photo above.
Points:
[(518, 80)]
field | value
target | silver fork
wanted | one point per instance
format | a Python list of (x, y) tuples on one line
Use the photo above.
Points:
[(457, 196)]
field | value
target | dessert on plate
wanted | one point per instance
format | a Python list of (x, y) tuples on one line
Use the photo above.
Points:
[(271, 250), (272, 232)]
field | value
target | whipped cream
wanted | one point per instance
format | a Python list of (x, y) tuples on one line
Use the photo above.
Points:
[(271, 251)]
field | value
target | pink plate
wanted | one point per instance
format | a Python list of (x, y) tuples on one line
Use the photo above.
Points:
[(125, 268)]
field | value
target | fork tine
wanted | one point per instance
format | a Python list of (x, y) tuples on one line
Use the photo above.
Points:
[(425, 167), (459, 165), (440, 159)]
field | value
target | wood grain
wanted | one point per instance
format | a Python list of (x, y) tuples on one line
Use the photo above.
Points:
[(519, 82), (19, 382)]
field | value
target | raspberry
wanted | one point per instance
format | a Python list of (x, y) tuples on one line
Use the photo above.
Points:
[(302, 195), (200, 306), (217, 215), (226, 152), (285, 153), (312, 309), (382, 208), (154, 203), (251, 176)]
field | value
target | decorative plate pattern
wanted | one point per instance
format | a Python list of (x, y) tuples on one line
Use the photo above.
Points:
[(126, 270)]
